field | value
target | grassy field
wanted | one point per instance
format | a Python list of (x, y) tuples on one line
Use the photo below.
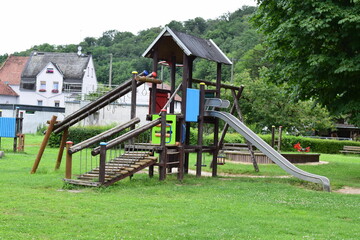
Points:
[(40, 206)]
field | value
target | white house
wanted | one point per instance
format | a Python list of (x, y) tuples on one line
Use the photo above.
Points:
[(49, 78)]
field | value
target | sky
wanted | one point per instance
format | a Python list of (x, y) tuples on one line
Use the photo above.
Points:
[(25, 23)]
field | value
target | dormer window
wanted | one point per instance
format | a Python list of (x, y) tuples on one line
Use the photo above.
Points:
[(50, 70)]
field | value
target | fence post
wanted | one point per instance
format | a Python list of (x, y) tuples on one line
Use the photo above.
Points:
[(102, 162), (68, 172)]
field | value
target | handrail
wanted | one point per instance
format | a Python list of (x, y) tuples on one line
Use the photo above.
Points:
[(171, 98), (95, 106), (102, 136), (126, 136)]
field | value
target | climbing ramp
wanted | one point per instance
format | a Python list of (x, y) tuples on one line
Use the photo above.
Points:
[(134, 159)]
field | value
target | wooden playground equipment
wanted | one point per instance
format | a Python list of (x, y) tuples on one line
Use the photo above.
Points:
[(170, 132), (11, 127)]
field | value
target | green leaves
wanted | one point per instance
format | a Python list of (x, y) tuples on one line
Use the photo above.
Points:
[(314, 45)]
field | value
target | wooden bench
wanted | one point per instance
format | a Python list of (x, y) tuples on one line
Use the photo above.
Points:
[(351, 149)]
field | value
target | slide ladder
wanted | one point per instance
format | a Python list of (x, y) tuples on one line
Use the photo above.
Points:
[(275, 156), (133, 160)]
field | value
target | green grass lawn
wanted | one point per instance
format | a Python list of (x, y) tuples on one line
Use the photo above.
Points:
[(40, 206)]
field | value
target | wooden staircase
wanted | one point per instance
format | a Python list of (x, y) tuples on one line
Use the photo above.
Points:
[(116, 169)]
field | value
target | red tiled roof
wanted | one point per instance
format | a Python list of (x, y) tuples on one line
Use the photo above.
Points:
[(10, 71), (7, 90)]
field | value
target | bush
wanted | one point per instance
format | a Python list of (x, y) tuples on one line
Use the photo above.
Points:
[(316, 145), (79, 134)]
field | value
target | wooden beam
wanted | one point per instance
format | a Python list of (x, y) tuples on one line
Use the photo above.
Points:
[(43, 144)]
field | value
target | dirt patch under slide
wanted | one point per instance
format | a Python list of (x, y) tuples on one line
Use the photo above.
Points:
[(348, 190)]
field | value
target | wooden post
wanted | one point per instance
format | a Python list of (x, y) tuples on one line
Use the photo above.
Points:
[(153, 87), (249, 145), (43, 144), (68, 170), (17, 123), (133, 96), (102, 162), (200, 130), (183, 111), (216, 123), (280, 138), (172, 81), (272, 136), (163, 154), (61, 148)]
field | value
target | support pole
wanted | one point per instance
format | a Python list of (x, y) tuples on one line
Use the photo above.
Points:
[(272, 136), (163, 154), (249, 145), (68, 170), (17, 124), (61, 148), (200, 130), (172, 81), (153, 86), (43, 144), (102, 162), (216, 123), (279, 139), (184, 85)]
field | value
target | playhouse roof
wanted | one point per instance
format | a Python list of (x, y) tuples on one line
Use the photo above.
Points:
[(172, 43)]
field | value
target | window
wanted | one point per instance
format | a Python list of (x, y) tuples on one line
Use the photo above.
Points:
[(42, 86), (57, 103), (55, 87), (49, 70), (40, 102)]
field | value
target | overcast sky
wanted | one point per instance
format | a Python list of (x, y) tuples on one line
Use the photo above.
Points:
[(25, 23)]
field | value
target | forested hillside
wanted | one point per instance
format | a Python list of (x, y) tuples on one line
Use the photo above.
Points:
[(264, 104)]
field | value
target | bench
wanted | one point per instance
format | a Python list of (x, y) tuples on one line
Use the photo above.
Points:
[(351, 149)]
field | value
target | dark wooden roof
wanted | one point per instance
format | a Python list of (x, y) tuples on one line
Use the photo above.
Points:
[(172, 43)]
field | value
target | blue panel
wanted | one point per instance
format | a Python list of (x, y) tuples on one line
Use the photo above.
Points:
[(7, 127), (192, 105)]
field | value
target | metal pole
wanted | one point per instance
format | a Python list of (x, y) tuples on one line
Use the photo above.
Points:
[(110, 70)]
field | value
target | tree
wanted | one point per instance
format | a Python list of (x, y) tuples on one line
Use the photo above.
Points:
[(314, 47), (265, 104)]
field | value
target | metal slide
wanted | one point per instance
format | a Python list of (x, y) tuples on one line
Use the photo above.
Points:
[(268, 150)]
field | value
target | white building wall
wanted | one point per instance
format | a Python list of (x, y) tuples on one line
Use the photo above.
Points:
[(33, 121), (89, 80), (8, 99), (118, 112)]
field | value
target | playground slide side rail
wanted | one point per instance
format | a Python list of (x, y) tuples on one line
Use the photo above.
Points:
[(268, 150), (102, 136), (127, 136), (93, 107)]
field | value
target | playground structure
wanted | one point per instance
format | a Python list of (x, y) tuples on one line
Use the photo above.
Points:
[(170, 133), (11, 127)]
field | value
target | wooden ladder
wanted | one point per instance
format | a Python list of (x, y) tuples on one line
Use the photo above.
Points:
[(116, 169)]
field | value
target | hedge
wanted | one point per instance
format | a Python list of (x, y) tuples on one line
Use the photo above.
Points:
[(288, 142), (79, 134)]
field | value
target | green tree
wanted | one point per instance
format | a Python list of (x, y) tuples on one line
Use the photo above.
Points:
[(265, 104), (314, 47)]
